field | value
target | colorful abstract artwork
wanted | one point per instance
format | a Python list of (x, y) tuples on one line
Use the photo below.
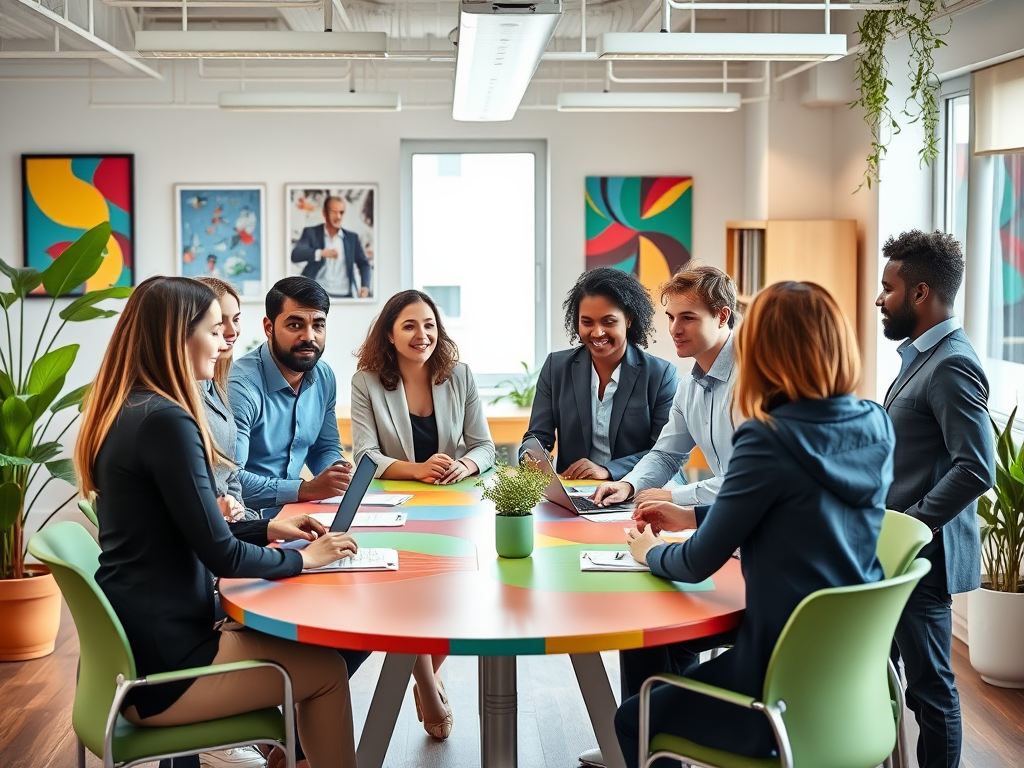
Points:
[(63, 196), (640, 224), (220, 233), (1010, 210)]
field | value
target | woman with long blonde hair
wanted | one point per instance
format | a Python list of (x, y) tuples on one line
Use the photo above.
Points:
[(145, 456), (803, 500)]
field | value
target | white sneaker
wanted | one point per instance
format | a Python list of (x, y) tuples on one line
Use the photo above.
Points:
[(239, 757), (592, 758)]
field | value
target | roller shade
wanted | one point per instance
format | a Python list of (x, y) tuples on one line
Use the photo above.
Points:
[(998, 94)]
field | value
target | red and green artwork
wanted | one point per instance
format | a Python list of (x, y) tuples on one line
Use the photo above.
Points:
[(63, 196), (1011, 239), (640, 224)]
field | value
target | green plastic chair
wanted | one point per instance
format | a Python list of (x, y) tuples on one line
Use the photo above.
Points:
[(825, 694), (89, 512), (107, 673)]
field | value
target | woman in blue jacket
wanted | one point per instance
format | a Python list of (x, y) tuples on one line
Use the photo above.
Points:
[(606, 400), (803, 499)]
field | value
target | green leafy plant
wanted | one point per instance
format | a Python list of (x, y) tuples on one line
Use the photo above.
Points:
[(876, 30), (31, 385), (521, 390), (1002, 519), (516, 490)]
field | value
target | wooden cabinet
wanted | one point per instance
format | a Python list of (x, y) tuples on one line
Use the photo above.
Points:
[(759, 253)]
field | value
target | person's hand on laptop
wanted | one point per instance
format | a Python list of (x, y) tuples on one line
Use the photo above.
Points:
[(663, 516), (612, 493), (653, 494), (294, 528), (434, 468), (585, 469), (327, 549), (333, 481)]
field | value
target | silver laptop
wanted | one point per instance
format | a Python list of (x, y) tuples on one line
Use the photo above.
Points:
[(555, 492)]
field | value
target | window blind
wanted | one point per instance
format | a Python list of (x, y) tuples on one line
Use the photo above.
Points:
[(998, 94)]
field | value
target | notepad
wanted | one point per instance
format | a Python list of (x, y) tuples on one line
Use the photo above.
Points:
[(367, 519), (373, 500), (610, 560), (368, 559), (608, 517)]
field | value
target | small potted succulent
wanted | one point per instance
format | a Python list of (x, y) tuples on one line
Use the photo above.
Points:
[(515, 491)]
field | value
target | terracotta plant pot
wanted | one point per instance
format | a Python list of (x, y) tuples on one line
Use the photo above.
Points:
[(513, 536), (29, 615)]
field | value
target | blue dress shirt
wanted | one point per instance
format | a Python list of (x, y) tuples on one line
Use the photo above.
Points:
[(909, 350), (279, 430)]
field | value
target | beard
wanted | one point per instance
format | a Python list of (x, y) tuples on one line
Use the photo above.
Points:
[(900, 324), (291, 360)]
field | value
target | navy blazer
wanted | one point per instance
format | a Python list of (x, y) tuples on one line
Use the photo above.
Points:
[(562, 407), (313, 239)]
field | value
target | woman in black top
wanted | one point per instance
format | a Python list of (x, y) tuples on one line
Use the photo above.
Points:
[(145, 456)]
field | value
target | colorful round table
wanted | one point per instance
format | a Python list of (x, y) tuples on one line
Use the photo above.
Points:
[(453, 595)]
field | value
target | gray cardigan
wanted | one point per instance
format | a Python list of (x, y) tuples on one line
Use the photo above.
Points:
[(382, 430), (224, 432)]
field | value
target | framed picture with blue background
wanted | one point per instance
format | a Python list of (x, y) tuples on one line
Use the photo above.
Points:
[(221, 232), (64, 196)]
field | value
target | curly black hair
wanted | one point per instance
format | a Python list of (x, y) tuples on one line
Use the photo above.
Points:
[(935, 259), (623, 290)]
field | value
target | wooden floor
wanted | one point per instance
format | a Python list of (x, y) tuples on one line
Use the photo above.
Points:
[(36, 696)]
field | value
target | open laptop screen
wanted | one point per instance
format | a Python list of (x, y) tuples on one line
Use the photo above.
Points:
[(353, 497)]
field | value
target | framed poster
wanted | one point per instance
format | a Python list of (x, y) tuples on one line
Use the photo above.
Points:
[(64, 196), (221, 232), (330, 236)]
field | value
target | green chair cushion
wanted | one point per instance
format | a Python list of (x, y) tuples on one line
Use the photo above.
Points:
[(680, 746), (135, 742)]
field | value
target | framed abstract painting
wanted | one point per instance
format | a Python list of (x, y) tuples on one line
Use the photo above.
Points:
[(221, 232), (63, 196), (640, 224)]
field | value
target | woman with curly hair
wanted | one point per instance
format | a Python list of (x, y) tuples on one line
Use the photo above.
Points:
[(605, 400)]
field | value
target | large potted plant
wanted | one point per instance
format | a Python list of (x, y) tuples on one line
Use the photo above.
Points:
[(32, 377), (515, 492), (995, 613)]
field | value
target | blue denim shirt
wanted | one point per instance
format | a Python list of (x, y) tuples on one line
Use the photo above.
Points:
[(278, 430)]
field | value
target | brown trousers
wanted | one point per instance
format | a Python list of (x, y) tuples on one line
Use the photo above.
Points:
[(319, 685)]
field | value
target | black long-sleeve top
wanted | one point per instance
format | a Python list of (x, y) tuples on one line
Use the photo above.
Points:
[(162, 536)]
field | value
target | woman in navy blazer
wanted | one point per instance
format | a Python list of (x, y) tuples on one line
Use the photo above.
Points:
[(606, 400), (803, 499)]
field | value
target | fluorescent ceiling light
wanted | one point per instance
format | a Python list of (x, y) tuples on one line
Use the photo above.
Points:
[(230, 44), (648, 102), (720, 46), (500, 46), (297, 101)]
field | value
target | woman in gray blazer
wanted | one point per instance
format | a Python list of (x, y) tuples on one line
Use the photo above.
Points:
[(416, 412)]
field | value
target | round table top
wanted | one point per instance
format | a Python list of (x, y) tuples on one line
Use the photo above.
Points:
[(453, 595)]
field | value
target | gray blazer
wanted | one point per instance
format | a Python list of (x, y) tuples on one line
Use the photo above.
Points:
[(944, 458), (224, 432), (381, 426)]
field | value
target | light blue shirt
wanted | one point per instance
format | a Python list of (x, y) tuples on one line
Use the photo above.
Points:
[(278, 430), (601, 415), (909, 350), (701, 416)]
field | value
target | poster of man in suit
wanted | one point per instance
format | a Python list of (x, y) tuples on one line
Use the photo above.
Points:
[(331, 233)]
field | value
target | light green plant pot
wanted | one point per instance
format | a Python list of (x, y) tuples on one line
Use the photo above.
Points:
[(513, 536)]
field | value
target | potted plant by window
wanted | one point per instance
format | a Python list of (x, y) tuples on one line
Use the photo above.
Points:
[(515, 492), (995, 613), (31, 386)]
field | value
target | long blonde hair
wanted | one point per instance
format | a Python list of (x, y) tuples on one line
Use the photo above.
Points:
[(794, 343), (223, 367), (146, 351)]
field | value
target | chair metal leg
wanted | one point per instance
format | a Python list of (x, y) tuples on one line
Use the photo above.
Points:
[(898, 758), (79, 752), (384, 708)]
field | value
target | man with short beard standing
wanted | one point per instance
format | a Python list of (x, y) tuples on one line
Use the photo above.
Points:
[(943, 462), (283, 401)]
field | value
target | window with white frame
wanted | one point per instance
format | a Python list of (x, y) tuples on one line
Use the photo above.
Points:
[(475, 240)]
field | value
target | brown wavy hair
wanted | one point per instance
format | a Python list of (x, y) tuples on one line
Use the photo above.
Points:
[(220, 373), (794, 343), (146, 351), (709, 284), (378, 355)]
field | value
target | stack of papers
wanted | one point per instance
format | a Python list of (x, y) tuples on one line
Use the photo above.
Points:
[(373, 499), (609, 560), (369, 559), (367, 519)]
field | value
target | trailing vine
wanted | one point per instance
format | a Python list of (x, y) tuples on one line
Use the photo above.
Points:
[(876, 30)]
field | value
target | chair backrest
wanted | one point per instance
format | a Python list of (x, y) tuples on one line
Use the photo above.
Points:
[(73, 558), (902, 537), (830, 668), (89, 512)]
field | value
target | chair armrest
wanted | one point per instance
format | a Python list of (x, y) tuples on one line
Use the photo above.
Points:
[(705, 689), (212, 669)]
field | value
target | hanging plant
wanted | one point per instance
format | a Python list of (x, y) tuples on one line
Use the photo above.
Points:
[(876, 30)]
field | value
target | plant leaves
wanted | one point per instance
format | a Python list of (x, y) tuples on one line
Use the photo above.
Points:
[(39, 403), (16, 426), (50, 367), (10, 505), (7, 299), (43, 452), (13, 461), (74, 397), (63, 469), (81, 309), (23, 279), (6, 386), (80, 261)]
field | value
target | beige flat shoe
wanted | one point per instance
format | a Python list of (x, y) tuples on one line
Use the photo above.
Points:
[(443, 729)]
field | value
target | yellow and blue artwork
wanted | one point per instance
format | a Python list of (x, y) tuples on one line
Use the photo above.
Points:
[(220, 233), (64, 196)]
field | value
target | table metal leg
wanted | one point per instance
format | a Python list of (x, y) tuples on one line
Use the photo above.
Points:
[(498, 712), (384, 709), (600, 701)]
